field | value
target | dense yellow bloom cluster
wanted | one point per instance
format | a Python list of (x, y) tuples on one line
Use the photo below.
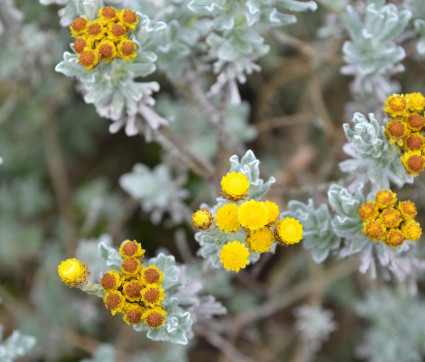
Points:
[(258, 219), (104, 38), (73, 272), (383, 221), (406, 127), (136, 291)]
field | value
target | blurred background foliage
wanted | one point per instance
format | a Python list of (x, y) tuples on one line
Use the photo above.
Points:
[(61, 189)]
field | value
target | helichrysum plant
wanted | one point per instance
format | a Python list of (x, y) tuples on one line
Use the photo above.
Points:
[(239, 227), (15, 346)]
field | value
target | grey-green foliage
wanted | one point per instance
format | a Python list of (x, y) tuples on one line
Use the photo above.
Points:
[(212, 240), (157, 191), (396, 326), (105, 353), (374, 158), (420, 28), (318, 232), (15, 346)]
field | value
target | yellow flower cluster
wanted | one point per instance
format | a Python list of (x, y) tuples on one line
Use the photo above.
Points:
[(258, 219), (104, 38), (73, 272), (136, 291), (383, 221), (406, 127)]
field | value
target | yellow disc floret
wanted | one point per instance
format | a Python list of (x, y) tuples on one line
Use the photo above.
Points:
[(131, 290), (396, 130), (385, 199), (73, 272), (368, 211), (253, 215), (273, 211), (235, 186), (128, 18), (108, 14), (415, 102), (414, 142), (390, 218), (396, 106), (151, 275), (114, 302), (226, 218), (202, 219), (152, 294), (130, 267), (394, 238), (234, 256), (260, 240), (412, 230), (78, 26), (374, 230), (111, 280), (133, 313), (407, 209), (415, 122), (126, 49), (413, 162), (289, 231), (89, 58), (107, 50), (131, 249), (155, 317)]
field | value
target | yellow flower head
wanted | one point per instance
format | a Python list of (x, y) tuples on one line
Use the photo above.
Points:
[(126, 49), (289, 231), (152, 295), (396, 106), (368, 211), (415, 122), (260, 240), (73, 272), (130, 267), (253, 215), (81, 43), (128, 18), (155, 317), (133, 313), (413, 162), (111, 280), (235, 186), (89, 58), (414, 142), (131, 290), (412, 230), (108, 14), (78, 26), (415, 101), (390, 218), (394, 238), (273, 211), (95, 30), (407, 209), (202, 219), (114, 302), (151, 275), (234, 256), (226, 218), (374, 230), (117, 32), (385, 199), (396, 130), (131, 249), (107, 50)]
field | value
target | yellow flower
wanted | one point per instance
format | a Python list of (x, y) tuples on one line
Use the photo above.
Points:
[(407, 209), (95, 30), (117, 32), (394, 238), (415, 102), (131, 249), (126, 49), (152, 295), (73, 272), (151, 275), (131, 290), (374, 230), (133, 313), (396, 131), (107, 50), (235, 186), (413, 162), (390, 218), (130, 267), (226, 218), (155, 317), (78, 26), (385, 199), (396, 106), (260, 240), (414, 142), (234, 256), (415, 122), (289, 231), (114, 302), (108, 14), (411, 230), (202, 219), (368, 211), (89, 58), (81, 43), (128, 18), (273, 211), (111, 280), (253, 215)]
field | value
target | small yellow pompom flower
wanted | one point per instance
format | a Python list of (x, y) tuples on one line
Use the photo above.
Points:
[(155, 317), (152, 295), (273, 211), (289, 231), (108, 14), (234, 256), (415, 102), (385, 199), (117, 32), (130, 267), (368, 211), (396, 106), (407, 209), (78, 26), (374, 230), (253, 215), (107, 50), (126, 49), (235, 186), (131, 249), (89, 58), (390, 218), (133, 313), (415, 122), (226, 218), (414, 142), (111, 280), (396, 131), (81, 43), (131, 290), (412, 230), (73, 272), (128, 18), (95, 30), (202, 219), (413, 162), (114, 302), (260, 240), (151, 275), (394, 238)]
